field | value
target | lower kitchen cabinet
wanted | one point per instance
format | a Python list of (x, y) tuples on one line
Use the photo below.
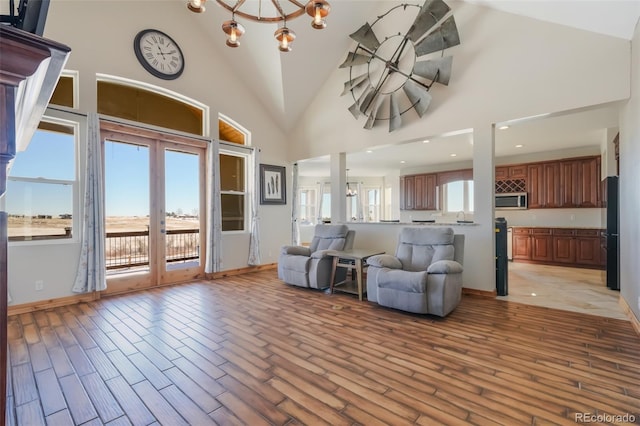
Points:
[(541, 245), (559, 246)]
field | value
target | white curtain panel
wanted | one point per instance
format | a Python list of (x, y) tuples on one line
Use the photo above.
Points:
[(91, 275), (254, 235), (320, 198), (214, 210), (295, 230)]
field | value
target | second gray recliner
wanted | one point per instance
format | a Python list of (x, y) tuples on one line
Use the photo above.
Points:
[(425, 275)]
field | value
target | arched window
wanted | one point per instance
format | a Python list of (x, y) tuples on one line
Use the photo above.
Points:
[(143, 103)]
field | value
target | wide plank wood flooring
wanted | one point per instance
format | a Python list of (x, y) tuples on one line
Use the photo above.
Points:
[(252, 350)]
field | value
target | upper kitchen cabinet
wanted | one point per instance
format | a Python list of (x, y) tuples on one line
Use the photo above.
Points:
[(566, 183), (543, 185), (511, 172), (419, 192)]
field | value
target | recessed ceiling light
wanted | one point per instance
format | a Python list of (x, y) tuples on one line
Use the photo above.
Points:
[(402, 162), (519, 145), (369, 151), (426, 141), (505, 127), (453, 155)]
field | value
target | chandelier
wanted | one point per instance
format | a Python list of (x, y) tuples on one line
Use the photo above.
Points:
[(317, 9)]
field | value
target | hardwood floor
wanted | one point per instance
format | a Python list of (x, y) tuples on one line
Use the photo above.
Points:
[(252, 350)]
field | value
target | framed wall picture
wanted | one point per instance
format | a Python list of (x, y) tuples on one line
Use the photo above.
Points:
[(273, 186)]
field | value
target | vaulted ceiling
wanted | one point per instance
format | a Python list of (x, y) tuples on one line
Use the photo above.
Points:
[(285, 83)]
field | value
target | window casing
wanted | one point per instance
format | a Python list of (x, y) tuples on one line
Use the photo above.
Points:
[(42, 184)]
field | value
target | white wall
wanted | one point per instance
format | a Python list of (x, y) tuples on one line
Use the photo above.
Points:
[(100, 34), (630, 188), (384, 236)]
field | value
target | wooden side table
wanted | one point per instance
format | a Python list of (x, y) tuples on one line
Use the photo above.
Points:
[(355, 259)]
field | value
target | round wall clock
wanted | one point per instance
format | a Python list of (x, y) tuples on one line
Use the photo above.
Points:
[(159, 54), (411, 60)]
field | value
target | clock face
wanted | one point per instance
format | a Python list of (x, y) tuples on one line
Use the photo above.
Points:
[(159, 54), (386, 60)]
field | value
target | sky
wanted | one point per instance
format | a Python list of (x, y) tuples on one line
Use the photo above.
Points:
[(127, 178)]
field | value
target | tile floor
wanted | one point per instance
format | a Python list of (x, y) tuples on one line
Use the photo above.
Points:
[(570, 289)]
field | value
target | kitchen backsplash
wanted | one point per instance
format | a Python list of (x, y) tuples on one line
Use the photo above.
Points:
[(578, 218)]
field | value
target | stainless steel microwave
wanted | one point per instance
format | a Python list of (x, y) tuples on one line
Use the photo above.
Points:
[(511, 201)]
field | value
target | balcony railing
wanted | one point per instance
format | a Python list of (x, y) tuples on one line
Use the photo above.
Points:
[(131, 249)]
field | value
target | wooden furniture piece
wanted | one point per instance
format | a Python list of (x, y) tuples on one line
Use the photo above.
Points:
[(29, 71), (355, 259), (575, 247)]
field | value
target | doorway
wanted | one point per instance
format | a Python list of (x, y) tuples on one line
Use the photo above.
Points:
[(154, 208)]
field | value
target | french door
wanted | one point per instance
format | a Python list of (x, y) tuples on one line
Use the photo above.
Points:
[(154, 208)]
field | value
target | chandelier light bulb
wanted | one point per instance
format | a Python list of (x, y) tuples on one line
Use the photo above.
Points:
[(318, 10), (285, 37), (196, 6), (234, 31)]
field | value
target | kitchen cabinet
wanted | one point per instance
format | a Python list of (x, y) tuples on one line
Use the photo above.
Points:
[(573, 183), (588, 247), (521, 244), (407, 192), (542, 185), (590, 194), (580, 248), (564, 246), (418, 192), (511, 172), (541, 244)]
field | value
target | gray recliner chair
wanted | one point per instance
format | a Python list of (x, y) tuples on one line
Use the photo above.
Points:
[(425, 275), (311, 266)]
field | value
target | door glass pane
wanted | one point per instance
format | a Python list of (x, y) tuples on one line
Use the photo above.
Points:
[(232, 212), (182, 206), (231, 173), (127, 206)]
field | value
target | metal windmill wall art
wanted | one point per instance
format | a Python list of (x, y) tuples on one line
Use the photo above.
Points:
[(412, 61)]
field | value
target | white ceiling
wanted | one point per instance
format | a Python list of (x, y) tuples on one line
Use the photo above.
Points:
[(286, 83)]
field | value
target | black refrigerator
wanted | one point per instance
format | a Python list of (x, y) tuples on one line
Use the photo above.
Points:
[(611, 234)]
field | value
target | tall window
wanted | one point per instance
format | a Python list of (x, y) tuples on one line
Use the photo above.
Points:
[(42, 183), (372, 204), (325, 214), (458, 196), (307, 210), (234, 175), (233, 190)]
